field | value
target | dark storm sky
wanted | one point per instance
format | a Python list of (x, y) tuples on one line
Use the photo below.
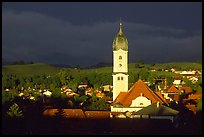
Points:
[(82, 33)]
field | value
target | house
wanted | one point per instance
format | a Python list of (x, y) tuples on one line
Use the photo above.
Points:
[(171, 93), (156, 111), (71, 94), (191, 101), (194, 79), (47, 93), (89, 91), (138, 97), (177, 81), (83, 85), (99, 94), (186, 90), (107, 88)]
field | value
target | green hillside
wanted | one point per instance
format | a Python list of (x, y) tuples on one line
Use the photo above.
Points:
[(30, 69), (181, 65), (40, 68)]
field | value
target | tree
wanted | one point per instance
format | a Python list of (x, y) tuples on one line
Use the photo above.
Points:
[(118, 105), (199, 104), (98, 105), (7, 81), (8, 96), (95, 103), (144, 74), (14, 111), (189, 84)]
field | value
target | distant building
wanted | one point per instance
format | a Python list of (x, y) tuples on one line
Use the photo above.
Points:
[(107, 88)]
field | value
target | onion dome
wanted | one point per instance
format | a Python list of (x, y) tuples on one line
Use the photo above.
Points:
[(120, 41)]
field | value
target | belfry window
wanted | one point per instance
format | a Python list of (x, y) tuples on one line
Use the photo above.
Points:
[(118, 78), (121, 78), (120, 57)]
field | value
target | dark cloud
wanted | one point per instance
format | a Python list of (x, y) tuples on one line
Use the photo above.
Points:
[(43, 38)]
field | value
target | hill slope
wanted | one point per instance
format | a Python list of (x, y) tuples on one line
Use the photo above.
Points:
[(29, 69)]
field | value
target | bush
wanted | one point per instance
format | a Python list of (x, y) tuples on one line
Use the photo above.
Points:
[(14, 111)]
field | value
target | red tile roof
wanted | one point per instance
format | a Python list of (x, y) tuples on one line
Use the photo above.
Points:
[(187, 89), (125, 98), (195, 96), (120, 97), (50, 112), (172, 89), (97, 114), (161, 96), (74, 113), (191, 107), (176, 97), (77, 113)]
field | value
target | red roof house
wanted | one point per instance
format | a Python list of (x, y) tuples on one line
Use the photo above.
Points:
[(137, 90)]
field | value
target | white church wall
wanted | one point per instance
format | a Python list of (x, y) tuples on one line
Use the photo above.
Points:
[(124, 109), (120, 84), (117, 61), (140, 102)]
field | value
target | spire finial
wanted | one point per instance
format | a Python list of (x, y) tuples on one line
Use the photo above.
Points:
[(120, 32)]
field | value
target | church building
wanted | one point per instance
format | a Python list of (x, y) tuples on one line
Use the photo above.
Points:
[(139, 95)]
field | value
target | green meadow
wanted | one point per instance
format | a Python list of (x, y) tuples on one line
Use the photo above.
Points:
[(46, 69)]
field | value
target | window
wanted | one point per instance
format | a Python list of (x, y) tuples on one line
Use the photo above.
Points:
[(121, 78), (120, 65), (141, 104), (118, 78), (120, 57)]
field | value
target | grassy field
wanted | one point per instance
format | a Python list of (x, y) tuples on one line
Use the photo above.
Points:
[(40, 68), (181, 65), (30, 69)]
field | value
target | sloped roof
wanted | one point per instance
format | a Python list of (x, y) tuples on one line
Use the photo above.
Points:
[(120, 98), (50, 112), (74, 113), (176, 97), (97, 114), (125, 98), (161, 96), (195, 96), (153, 110), (172, 89), (187, 89)]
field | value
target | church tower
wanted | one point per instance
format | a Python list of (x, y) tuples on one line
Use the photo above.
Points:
[(120, 63)]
